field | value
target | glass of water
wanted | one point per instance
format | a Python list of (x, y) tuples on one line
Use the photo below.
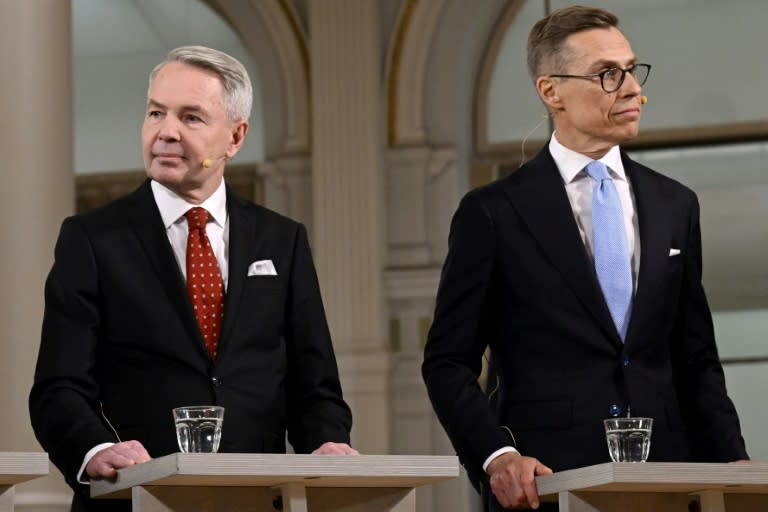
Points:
[(629, 439), (198, 428)]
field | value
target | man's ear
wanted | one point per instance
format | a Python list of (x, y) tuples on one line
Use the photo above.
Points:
[(548, 92), (239, 131)]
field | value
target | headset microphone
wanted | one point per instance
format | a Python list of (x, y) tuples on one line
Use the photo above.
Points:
[(643, 100), (208, 162)]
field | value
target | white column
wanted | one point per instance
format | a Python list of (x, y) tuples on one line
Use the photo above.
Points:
[(37, 192), (347, 195)]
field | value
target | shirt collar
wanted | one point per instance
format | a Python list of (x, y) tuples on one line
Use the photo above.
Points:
[(570, 163), (172, 207)]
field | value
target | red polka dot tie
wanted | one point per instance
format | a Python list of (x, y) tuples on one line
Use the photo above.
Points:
[(204, 283)]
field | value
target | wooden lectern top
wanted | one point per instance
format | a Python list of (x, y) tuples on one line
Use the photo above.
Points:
[(269, 470), (658, 477), (17, 467)]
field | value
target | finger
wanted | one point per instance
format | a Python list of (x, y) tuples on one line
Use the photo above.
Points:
[(100, 469), (508, 491), (133, 449), (541, 469), (528, 488)]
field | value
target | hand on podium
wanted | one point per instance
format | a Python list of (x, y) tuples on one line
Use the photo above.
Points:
[(106, 462), (513, 480), (330, 448)]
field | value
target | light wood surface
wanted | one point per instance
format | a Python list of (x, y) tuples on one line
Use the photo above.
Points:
[(659, 487), (274, 470), (17, 467), (659, 477)]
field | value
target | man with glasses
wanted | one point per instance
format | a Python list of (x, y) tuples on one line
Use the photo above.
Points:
[(581, 271)]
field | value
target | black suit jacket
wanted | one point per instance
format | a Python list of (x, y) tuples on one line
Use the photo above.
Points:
[(119, 333), (518, 279)]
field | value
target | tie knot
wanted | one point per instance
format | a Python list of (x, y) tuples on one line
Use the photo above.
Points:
[(598, 171), (197, 217)]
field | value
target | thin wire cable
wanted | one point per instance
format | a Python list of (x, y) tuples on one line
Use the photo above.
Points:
[(522, 144)]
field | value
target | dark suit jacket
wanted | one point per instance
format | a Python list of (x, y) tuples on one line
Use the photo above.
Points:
[(119, 332), (518, 279)]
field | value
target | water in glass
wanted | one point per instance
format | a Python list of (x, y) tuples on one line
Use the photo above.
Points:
[(629, 439), (198, 429)]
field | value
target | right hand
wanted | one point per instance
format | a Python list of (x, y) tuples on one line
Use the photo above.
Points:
[(513, 480), (107, 461)]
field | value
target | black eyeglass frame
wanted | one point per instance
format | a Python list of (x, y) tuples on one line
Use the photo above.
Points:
[(624, 72)]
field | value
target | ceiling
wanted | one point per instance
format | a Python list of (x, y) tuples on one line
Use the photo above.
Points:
[(115, 27)]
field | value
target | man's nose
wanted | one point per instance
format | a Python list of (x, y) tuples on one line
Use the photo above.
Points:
[(169, 129), (631, 85)]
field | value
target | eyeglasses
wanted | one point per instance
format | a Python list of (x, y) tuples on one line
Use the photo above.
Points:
[(612, 79)]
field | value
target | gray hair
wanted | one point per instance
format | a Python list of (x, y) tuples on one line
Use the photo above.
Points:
[(238, 91)]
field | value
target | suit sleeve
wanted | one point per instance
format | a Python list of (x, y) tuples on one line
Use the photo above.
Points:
[(456, 340), (710, 415), (64, 401), (317, 411)]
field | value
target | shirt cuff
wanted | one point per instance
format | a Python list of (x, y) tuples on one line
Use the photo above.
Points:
[(83, 478), (500, 451)]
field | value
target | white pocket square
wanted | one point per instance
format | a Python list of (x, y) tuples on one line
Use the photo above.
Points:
[(262, 268), (674, 252)]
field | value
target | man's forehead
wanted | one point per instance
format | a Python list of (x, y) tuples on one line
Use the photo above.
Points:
[(177, 83), (600, 46)]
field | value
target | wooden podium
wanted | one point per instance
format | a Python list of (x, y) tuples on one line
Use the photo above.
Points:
[(197, 482), (17, 467), (659, 487)]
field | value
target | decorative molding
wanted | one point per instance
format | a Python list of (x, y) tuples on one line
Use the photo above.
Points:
[(414, 176), (487, 65), (290, 44), (407, 66), (411, 283)]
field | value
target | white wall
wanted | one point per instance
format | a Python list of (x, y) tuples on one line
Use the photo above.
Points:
[(742, 334)]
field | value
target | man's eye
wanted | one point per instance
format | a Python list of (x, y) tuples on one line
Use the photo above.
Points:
[(193, 118), (154, 113)]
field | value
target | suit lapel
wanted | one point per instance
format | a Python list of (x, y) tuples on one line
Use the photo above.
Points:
[(654, 242), (148, 226), (537, 193), (247, 236), (240, 232)]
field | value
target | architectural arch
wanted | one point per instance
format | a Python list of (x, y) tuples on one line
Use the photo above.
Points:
[(407, 57), (274, 35)]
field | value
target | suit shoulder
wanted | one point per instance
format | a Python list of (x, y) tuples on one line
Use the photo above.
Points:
[(669, 185), (108, 214), (264, 215)]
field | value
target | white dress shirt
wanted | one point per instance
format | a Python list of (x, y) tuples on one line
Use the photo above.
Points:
[(172, 209), (578, 185)]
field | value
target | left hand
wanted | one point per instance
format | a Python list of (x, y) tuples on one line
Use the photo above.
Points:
[(330, 448)]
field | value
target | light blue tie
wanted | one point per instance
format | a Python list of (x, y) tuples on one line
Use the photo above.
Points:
[(609, 239)]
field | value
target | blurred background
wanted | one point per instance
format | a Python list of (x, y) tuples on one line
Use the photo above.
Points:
[(372, 118)]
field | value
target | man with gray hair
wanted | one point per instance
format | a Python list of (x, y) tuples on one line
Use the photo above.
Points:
[(182, 293)]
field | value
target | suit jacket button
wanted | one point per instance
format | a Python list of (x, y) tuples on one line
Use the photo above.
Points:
[(216, 381), (614, 411), (626, 361)]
